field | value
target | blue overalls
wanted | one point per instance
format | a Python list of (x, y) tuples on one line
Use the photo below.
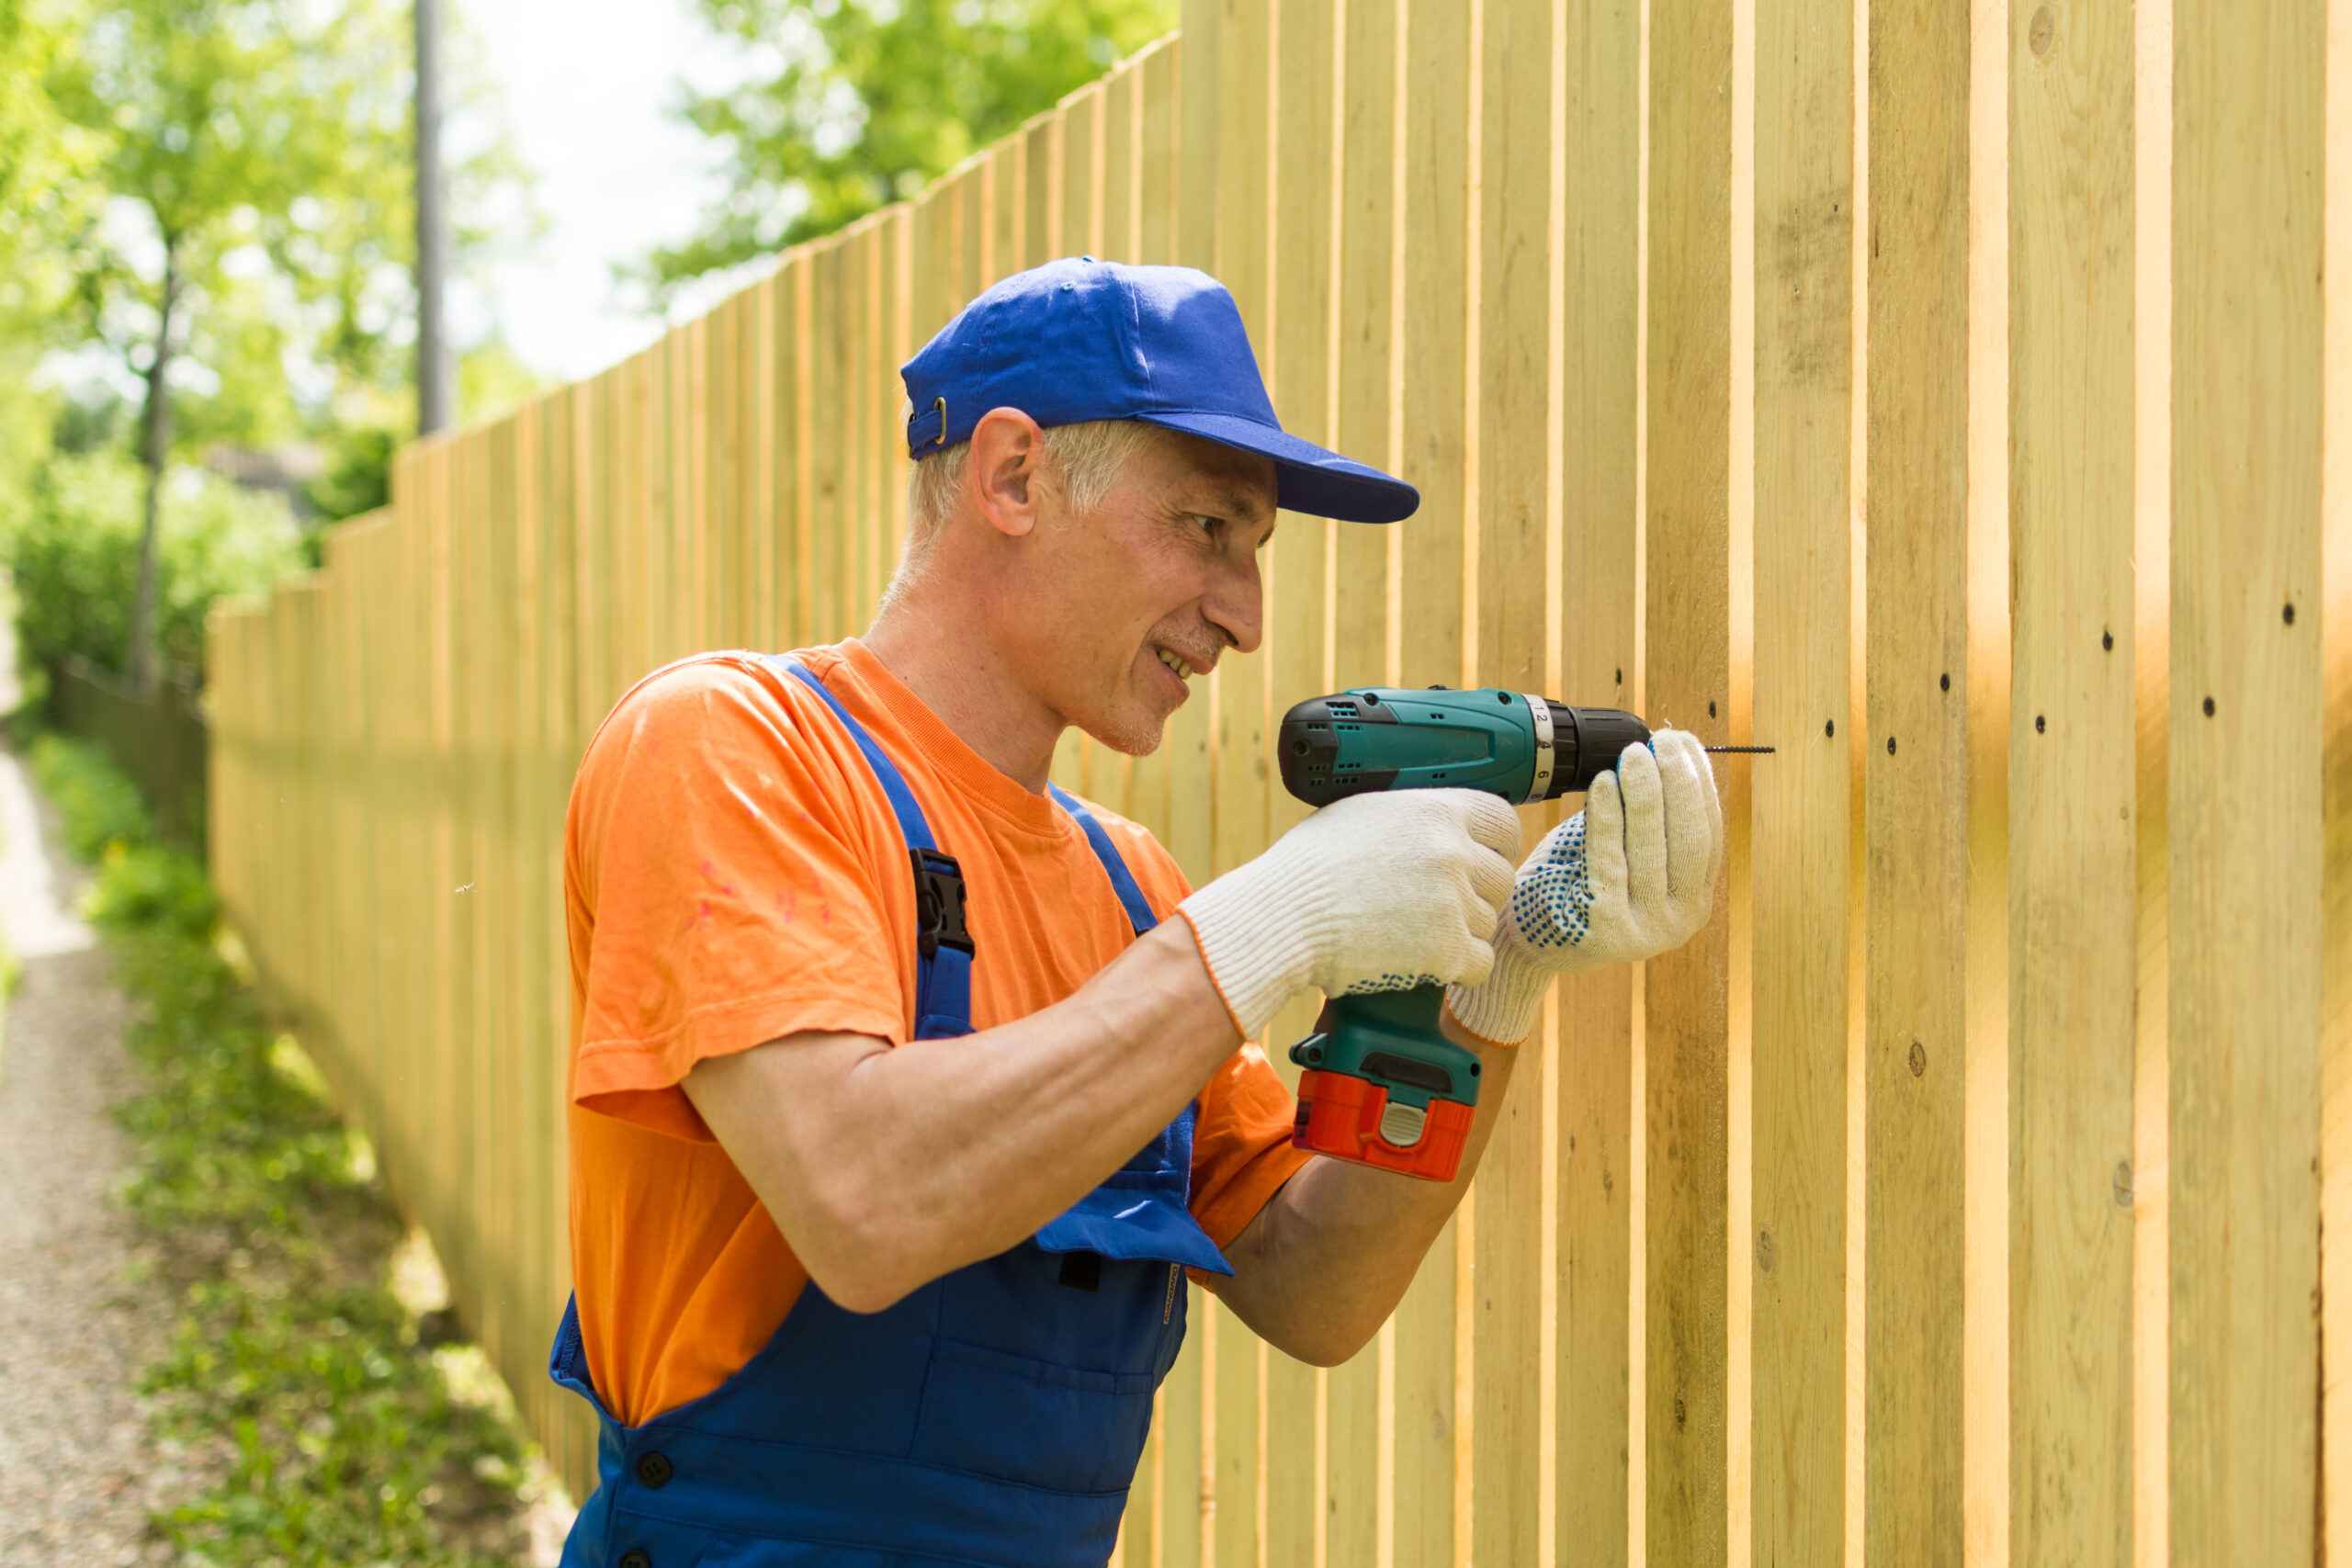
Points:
[(993, 1416)]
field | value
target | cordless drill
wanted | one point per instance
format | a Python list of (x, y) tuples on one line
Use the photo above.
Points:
[(1381, 1084)]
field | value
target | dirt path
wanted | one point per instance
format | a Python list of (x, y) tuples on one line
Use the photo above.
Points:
[(78, 1470)]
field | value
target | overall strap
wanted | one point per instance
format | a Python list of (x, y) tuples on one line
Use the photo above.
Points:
[(944, 943), (1139, 913)]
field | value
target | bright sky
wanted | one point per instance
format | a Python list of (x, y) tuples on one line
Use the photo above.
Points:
[(585, 90)]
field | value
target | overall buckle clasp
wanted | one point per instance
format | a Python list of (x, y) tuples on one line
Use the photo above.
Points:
[(939, 903)]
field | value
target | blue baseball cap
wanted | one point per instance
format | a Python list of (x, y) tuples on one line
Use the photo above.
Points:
[(1080, 339)]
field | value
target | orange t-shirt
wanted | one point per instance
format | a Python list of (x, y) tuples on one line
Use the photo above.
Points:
[(733, 873)]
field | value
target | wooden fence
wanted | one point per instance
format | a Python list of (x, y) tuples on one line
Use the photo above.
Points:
[(1948, 395)]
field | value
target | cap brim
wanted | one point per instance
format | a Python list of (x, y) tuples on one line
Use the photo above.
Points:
[(1307, 478)]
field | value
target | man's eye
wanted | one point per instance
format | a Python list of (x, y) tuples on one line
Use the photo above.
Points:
[(1213, 523)]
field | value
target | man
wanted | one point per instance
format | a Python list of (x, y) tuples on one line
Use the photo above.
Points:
[(900, 1109)]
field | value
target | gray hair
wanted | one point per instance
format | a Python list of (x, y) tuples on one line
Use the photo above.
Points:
[(1088, 457)]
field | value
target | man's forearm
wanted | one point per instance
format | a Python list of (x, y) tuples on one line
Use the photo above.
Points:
[(886, 1168), (1323, 1265)]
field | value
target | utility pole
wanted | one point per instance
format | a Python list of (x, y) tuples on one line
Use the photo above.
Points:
[(433, 368)]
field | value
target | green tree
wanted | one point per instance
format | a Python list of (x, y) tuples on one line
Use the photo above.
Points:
[(74, 556), (870, 99), (257, 157)]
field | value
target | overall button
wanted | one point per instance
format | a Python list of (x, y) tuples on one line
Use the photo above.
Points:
[(654, 1470), (636, 1560)]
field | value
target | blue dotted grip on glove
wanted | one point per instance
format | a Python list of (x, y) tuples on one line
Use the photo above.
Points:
[(1553, 903)]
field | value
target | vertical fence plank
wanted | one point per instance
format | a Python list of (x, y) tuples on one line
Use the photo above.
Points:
[(1157, 129), (651, 520), (1803, 877), (1360, 1502), (973, 265), (1189, 1397), (475, 649), (1686, 683), (938, 233), (453, 858), (823, 397), (721, 409), (409, 719), (683, 442), (795, 596), (1513, 527), (1078, 215), (527, 1127), (741, 410), (881, 369), (862, 521), (1986, 1347), (1041, 189), (493, 892), (1596, 433), (1429, 1388), (2072, 894), (1298, 359), (1238, 697), (1916, 489), (337, 1042), (1007, 185), (1076, 208), (1122, 194), (854, 371), (2246, 890), (2335, 949), (551, 697), (1116, 190), (900, 344), (1158, 185), (642, 533), (765, 466)]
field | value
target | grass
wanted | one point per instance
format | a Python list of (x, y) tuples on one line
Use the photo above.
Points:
[(319, 1411)]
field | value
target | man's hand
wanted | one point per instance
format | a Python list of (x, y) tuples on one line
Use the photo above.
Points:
[(1630, 876), (1365, 892)]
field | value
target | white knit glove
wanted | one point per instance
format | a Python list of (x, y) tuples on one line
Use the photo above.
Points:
[(1371, 893), (1630, 876)]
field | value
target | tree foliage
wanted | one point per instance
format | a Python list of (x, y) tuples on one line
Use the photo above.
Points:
[(73, 554), (252, 160), (265, 146), (47, 196), (851, 104)]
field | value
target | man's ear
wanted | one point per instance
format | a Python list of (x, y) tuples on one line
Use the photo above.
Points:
[(1008, 452)]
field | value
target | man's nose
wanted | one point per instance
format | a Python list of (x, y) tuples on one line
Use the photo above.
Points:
[(1236, 604)]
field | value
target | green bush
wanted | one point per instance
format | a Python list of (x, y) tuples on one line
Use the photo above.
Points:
[(154, 888), (96, 804), (75, 554)]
